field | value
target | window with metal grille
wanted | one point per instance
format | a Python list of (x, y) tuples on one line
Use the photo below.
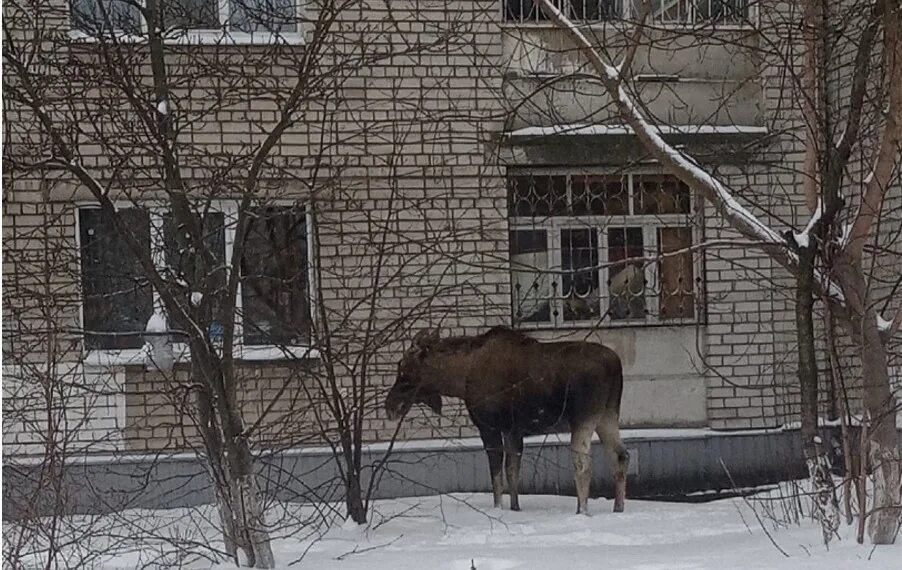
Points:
[(663, 12), (530, 11), (729, 12), (591, 248)]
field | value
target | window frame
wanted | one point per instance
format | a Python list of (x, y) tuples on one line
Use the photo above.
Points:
[(627, 9), (650, 224), (242, 351), (221, 36)]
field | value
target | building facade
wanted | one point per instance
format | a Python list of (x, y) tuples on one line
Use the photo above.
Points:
[(451, 165)]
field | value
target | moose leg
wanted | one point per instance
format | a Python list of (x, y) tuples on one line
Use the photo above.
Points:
[(617, 455), (494, 448), (513, 451), (581, 450)]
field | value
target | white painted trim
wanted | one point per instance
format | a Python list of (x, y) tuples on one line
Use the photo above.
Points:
[(98, 358), (202, 37), (263, 353)]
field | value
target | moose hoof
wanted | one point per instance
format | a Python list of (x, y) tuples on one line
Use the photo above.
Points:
[(515, 507), (618, 508)]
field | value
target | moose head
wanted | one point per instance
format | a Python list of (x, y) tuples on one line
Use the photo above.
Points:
[(411, 386)]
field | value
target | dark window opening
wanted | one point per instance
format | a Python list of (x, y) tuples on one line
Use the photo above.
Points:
[(274, 285), (117, 297)]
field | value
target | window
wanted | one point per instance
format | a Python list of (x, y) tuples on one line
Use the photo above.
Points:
[(117, 297), (530, 11), (666, 12), (203, 18), (274, 278), (735, 12), (273, 306), (570, 230)]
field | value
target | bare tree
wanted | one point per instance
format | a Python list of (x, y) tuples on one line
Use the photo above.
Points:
[(842, 283), (125, 111)]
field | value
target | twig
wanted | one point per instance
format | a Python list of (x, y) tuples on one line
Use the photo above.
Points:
[(358, 550), (754, 512)]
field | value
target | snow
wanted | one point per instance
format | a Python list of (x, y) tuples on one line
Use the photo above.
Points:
[(196, 298), (157, 323), (463, 531), (804, 238), (578, 129), (740, 217)]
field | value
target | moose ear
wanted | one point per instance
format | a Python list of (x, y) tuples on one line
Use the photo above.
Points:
[(426, 338)]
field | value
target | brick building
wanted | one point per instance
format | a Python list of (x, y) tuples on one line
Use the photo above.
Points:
[(458, 172)]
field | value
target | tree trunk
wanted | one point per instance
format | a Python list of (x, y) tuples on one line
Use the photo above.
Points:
[(354, 498), (807, 354), (353, 487), (247, 505), (230, 465), (883, 452), (824, 509), (879, 404)]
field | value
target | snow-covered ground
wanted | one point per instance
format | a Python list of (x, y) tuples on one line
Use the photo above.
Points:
[(463, 531)]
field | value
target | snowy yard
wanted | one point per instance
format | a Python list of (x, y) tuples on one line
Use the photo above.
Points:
[(463, 531)]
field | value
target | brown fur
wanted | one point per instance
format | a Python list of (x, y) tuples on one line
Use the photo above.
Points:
[(515, 386)]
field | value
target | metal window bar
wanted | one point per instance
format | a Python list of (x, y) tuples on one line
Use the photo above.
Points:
[(691, 12), (528, 11), (577, 299)]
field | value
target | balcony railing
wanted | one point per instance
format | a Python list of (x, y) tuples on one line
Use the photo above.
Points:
[(664, 12)]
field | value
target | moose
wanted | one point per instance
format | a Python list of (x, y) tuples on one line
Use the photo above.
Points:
[(514, 386)]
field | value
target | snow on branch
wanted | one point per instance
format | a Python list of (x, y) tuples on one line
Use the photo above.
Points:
[(804, 239), (682, 166), (889, 328)]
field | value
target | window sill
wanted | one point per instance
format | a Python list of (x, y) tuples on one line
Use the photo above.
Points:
[(102, 358), (265, 353), (199, 38)]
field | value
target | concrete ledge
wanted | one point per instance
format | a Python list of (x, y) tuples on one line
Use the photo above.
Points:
[(663, 462)]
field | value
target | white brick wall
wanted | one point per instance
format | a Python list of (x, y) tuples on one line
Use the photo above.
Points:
[(83, 410)]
